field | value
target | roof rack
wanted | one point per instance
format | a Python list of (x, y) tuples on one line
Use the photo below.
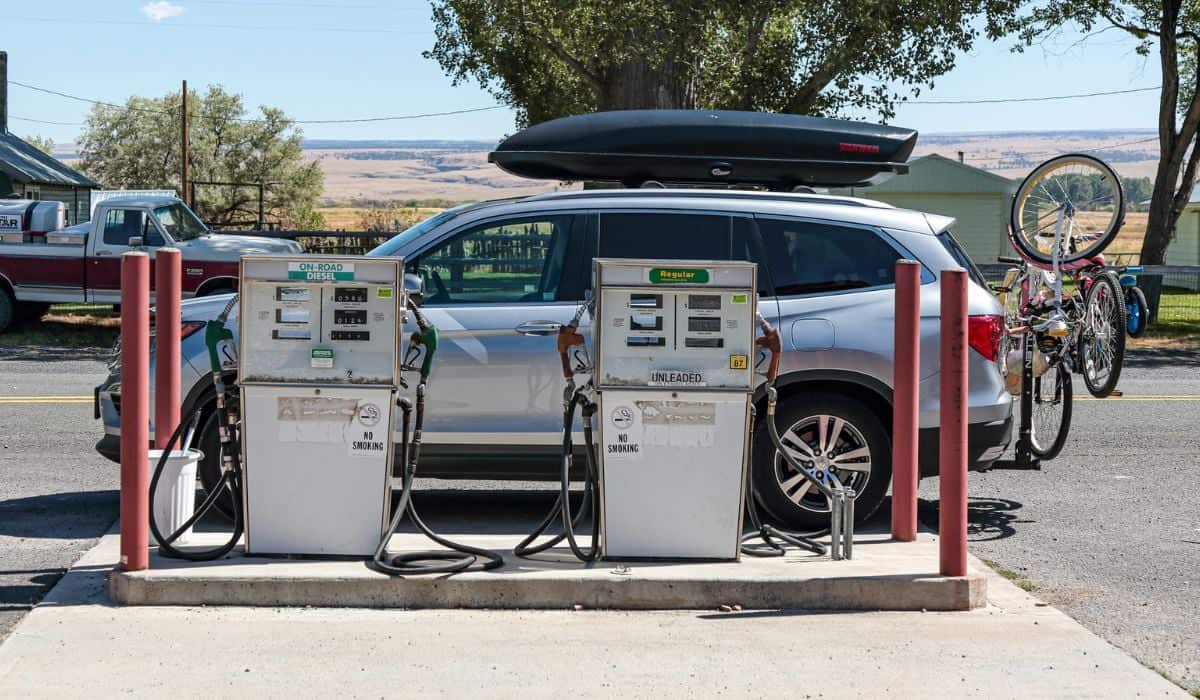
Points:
[(637, 148), (802, 197)]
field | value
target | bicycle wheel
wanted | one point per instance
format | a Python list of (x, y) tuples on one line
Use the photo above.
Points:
[(1075, 202), (1102, 339), (1051, 398), (1137, 312)]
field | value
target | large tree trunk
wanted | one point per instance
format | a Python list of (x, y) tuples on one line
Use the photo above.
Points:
[(638, 85)]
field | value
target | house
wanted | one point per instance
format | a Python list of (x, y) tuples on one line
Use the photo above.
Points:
[(978, 199), (1185, 249), (28, 173)]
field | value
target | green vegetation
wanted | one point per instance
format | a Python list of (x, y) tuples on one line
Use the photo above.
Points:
[(1178, 314), (66, 326), (550, 59), (1014, 576), (136, 146)]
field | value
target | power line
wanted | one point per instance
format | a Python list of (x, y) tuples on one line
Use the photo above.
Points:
[(173, 111), (44, 121), (300, 5), (1049, 98)]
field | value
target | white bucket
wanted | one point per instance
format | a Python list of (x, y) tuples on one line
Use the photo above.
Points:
[(175, 500)]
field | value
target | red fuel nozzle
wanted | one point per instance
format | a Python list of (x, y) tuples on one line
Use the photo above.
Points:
[(568, 336)]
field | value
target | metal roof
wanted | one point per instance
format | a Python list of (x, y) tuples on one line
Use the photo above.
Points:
[(26, 164)]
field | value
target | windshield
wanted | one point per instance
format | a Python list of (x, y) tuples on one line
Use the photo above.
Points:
[(179, 222), (393, 245)]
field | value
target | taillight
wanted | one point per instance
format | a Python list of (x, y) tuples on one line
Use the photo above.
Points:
[(984, 333)]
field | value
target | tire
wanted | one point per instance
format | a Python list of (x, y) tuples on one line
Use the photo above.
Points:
[(1137, 312), (1052, 402), (1025, 211), (7, 309), (774, 482), (1101, 348), (209, 442)]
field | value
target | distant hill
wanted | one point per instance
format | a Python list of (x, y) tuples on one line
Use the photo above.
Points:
[(381, 170)]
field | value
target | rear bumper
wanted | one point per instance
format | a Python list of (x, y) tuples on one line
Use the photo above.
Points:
[(986, 442), (110, 447)]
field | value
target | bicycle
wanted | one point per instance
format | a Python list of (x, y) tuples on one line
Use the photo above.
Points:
[(1066, 211)]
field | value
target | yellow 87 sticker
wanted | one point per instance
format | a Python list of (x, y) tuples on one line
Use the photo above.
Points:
[(738, 361)]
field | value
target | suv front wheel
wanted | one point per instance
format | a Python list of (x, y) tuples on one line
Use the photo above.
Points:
[(823, 431)]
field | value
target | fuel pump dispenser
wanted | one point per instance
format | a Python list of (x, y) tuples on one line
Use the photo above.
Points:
[(672, 380), (319, 370)]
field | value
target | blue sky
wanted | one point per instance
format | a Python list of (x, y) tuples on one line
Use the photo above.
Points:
[(331, 59)]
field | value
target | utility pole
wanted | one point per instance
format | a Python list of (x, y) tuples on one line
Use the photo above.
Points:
[(183, 185)]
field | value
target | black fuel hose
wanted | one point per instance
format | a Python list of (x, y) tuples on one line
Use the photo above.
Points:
[(230, 480), (768, 534), (561, 510), (457, 556)]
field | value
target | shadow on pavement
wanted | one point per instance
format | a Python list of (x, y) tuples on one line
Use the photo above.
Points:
[(987, 518), (59, 516), (1149, 358)]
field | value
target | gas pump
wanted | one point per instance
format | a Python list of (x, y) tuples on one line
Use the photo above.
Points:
[(672, 381), (319, 370)]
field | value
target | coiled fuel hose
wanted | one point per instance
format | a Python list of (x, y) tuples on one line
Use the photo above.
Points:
[(841, 499), (457, 556), (231, 466), (568, 337)]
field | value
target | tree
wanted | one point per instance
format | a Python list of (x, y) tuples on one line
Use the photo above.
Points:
[(137, 146), (548, 58), (1172, 29), (41, 143)]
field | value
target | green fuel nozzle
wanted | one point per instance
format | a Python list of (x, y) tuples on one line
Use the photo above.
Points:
[(426, 335), (215, 332)]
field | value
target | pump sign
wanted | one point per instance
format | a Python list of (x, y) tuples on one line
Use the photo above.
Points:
[(321, 271), (9, 223)]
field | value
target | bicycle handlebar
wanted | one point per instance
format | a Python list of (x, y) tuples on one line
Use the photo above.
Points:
[(1010, 261)]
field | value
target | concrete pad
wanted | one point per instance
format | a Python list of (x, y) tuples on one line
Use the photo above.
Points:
[(884, 575), (77, 644)]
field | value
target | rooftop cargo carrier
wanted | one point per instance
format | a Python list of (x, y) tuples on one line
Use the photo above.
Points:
[(639, 147)]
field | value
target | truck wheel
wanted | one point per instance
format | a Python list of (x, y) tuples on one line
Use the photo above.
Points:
[(827, 431), (6, 309), (209, 442), (31, 310)]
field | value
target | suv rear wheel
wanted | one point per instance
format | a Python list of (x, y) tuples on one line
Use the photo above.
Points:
[(825, 431)]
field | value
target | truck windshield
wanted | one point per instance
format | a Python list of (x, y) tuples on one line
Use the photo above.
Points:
[(179, 221)]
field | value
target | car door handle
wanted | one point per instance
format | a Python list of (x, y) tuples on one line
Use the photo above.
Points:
[(538, 328), (101, 254)]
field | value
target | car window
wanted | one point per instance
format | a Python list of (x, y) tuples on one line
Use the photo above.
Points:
[(179, 222), (509, 261), (671, 236), (808, 257), (960, 256), (122, 224)]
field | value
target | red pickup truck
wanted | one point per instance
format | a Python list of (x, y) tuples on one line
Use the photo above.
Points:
[(41, 264)]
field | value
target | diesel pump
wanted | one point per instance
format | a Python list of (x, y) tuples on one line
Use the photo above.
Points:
[(673, 381)]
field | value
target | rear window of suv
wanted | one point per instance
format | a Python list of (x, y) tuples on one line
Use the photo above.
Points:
[(960, 256), (811, 257)]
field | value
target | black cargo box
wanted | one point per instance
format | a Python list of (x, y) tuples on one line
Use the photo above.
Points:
[(778, 151)]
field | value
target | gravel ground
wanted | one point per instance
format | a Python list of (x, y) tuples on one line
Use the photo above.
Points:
[(1109, 532), (56, 494)]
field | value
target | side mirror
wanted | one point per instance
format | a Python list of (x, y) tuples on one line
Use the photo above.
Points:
[(136, 242), (414, 287)]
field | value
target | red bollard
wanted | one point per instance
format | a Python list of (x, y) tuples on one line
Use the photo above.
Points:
[(905, 391), (135, 411), (168, 275), (952, 454)]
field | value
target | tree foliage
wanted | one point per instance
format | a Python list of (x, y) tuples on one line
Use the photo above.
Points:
[(43, 144), (138, 146), (548, 58), (1170, 28)]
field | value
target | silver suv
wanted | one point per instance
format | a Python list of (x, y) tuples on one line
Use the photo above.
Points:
[(500, 275)]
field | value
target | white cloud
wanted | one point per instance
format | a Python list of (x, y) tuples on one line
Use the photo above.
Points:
[(160, 10)]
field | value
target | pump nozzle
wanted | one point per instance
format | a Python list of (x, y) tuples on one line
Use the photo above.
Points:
[(773, 343)]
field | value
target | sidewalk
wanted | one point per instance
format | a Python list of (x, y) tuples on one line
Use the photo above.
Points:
[(76, 643)]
